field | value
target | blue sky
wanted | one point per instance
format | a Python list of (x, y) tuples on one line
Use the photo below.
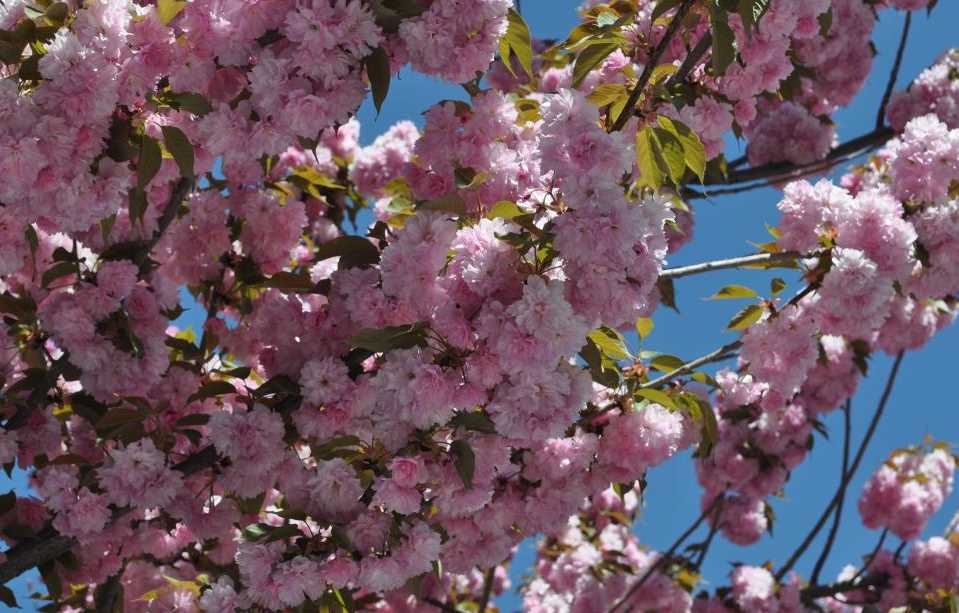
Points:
[(723, 226)]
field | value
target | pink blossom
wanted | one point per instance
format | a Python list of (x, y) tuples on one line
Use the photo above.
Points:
[(638, 440), (138, 475)]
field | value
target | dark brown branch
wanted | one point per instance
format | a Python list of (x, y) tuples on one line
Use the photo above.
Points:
[(843, 483), (665, 556), (651, 64), (780, 171), (180, 190), (894, 74), (821, 591), (704, 549), (487, 589), (890, 381), (872, 556)]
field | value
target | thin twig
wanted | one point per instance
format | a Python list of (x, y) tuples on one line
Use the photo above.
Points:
[(487, 589), (746, 260), (894, 74), (722, 353), (713, 529), (651, 64), (843, 483), (664, 557), (872, 555), (890, 381), (953, 525), (819, 591), (180, 191)]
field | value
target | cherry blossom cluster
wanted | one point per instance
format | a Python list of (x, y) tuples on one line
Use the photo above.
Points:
[(907, 490), (591, 562)]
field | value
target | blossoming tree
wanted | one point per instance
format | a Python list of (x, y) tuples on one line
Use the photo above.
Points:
[(372, 420)]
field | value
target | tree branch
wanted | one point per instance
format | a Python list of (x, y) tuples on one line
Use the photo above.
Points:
[(890, 381), (746, 260), (665, 556), (487, 589), (722, 353), (691, 60), (843, 483), (872, 556), (180, 190), (820, 591), (780, 171), (651, 64), (894, 74)]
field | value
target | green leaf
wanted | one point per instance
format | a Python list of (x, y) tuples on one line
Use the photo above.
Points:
[(759, 9), (478, 421), (168, 9), (666, 363), (644, 327), (606, 18), (777, 285), (607, 93), (212, 389), (58, 270), (148, 164), (591, 57), (451, 203), (673, 154), (32, 239), (649, 159), (746, 317), (662, 6), (734, 291), (338, 446), (180, 148), (701, 377), (118, 417), (517, 41), (8, 598), (378, 72), (353, 251), (254, 532), (194, 419), (290, 282), (191, 102), (658, 397), (282, 532), (603, 370), (611, 343), (7, 502), (393, 337), (724, 42), (702, 412), (693, 149), (825, 23), (504, 209), (464, 461), (667, 292)]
